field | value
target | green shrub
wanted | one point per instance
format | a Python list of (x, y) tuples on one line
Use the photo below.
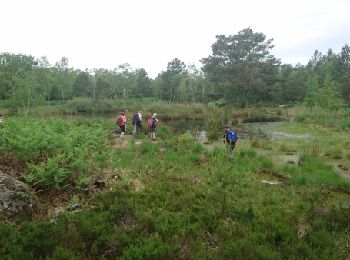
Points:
[(344, 123), (284, 148), (333, 152), (258, 142), (300, 118), (55, 152)]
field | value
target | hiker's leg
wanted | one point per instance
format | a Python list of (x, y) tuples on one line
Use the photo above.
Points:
[(122, 128), (138, 129), (230, 149), (233, 145), (228, 152), (154, 133)]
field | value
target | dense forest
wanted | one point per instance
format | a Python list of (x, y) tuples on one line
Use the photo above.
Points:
[(241, 70)]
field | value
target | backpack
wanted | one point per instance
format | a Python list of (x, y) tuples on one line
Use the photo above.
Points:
[(150, 122), (135, 119), (231, 136), (120, 120)]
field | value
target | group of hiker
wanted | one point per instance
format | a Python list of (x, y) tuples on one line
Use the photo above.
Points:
[(152, 124), (230, 137)]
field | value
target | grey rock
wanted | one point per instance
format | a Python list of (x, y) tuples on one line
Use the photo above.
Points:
[(291, 158), (15, 196)]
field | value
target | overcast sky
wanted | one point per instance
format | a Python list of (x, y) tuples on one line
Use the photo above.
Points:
[(150, 33)]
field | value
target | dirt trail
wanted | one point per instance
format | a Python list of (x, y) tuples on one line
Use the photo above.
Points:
[(120, 143)]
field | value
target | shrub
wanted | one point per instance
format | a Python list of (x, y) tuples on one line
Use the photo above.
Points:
[(55, 152)]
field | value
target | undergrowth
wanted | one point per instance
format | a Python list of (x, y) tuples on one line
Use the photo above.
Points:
[(174, 199)]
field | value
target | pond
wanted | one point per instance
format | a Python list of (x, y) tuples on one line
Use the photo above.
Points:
[(265, 130)]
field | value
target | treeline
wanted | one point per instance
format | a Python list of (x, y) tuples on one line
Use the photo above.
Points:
[(241, 70)]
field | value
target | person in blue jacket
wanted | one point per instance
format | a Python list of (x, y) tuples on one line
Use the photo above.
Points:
[(230, 138)]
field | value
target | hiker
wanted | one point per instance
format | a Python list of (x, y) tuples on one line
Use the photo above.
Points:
[(121, 122), (152, 126), (1, 120), (230, 138), (137, 122)]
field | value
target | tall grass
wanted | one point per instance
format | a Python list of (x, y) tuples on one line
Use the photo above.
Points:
[(313, 171)]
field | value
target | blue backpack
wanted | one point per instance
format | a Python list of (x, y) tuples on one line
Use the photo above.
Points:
[(135, 119), (232, 136)]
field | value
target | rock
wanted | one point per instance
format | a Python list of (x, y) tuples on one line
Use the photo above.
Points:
[(271, 182), (15, 196), (291, 159)]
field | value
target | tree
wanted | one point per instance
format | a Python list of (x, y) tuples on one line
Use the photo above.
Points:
[(294, 87), (344, 58), (143, 88), (14, 69), (326, 96), (64, 78), (315, 61), (82, 84), (44, 78), (103, 84), (241, 66), (157, 86), (127, 81), (330, 95), (312, 91), (17, 79), (172, 77), (191, 86)]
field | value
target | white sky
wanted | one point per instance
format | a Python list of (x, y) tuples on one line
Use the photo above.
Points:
[(150, 33)]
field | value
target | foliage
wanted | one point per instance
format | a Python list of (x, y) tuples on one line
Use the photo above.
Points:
[(54, 152), (327, 96), (241, 66), (241, 70), (176, 199)]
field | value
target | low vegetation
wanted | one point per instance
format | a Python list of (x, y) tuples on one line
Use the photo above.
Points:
[(54, 152), (177, 198)]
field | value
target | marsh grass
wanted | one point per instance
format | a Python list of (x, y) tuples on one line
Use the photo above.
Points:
[(286, 148), (324, 117), (314, 149), (111, 107), (314, 171), (262, 143), (333, 152)]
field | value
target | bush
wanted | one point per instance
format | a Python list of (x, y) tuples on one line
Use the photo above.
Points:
[(54, 152)]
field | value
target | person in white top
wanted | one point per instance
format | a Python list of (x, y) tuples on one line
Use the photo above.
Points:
[(139, 123)]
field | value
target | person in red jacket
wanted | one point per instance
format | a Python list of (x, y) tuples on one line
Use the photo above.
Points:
[(121, 122)]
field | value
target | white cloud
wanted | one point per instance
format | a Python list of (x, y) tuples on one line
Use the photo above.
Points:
[(150, 33)]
